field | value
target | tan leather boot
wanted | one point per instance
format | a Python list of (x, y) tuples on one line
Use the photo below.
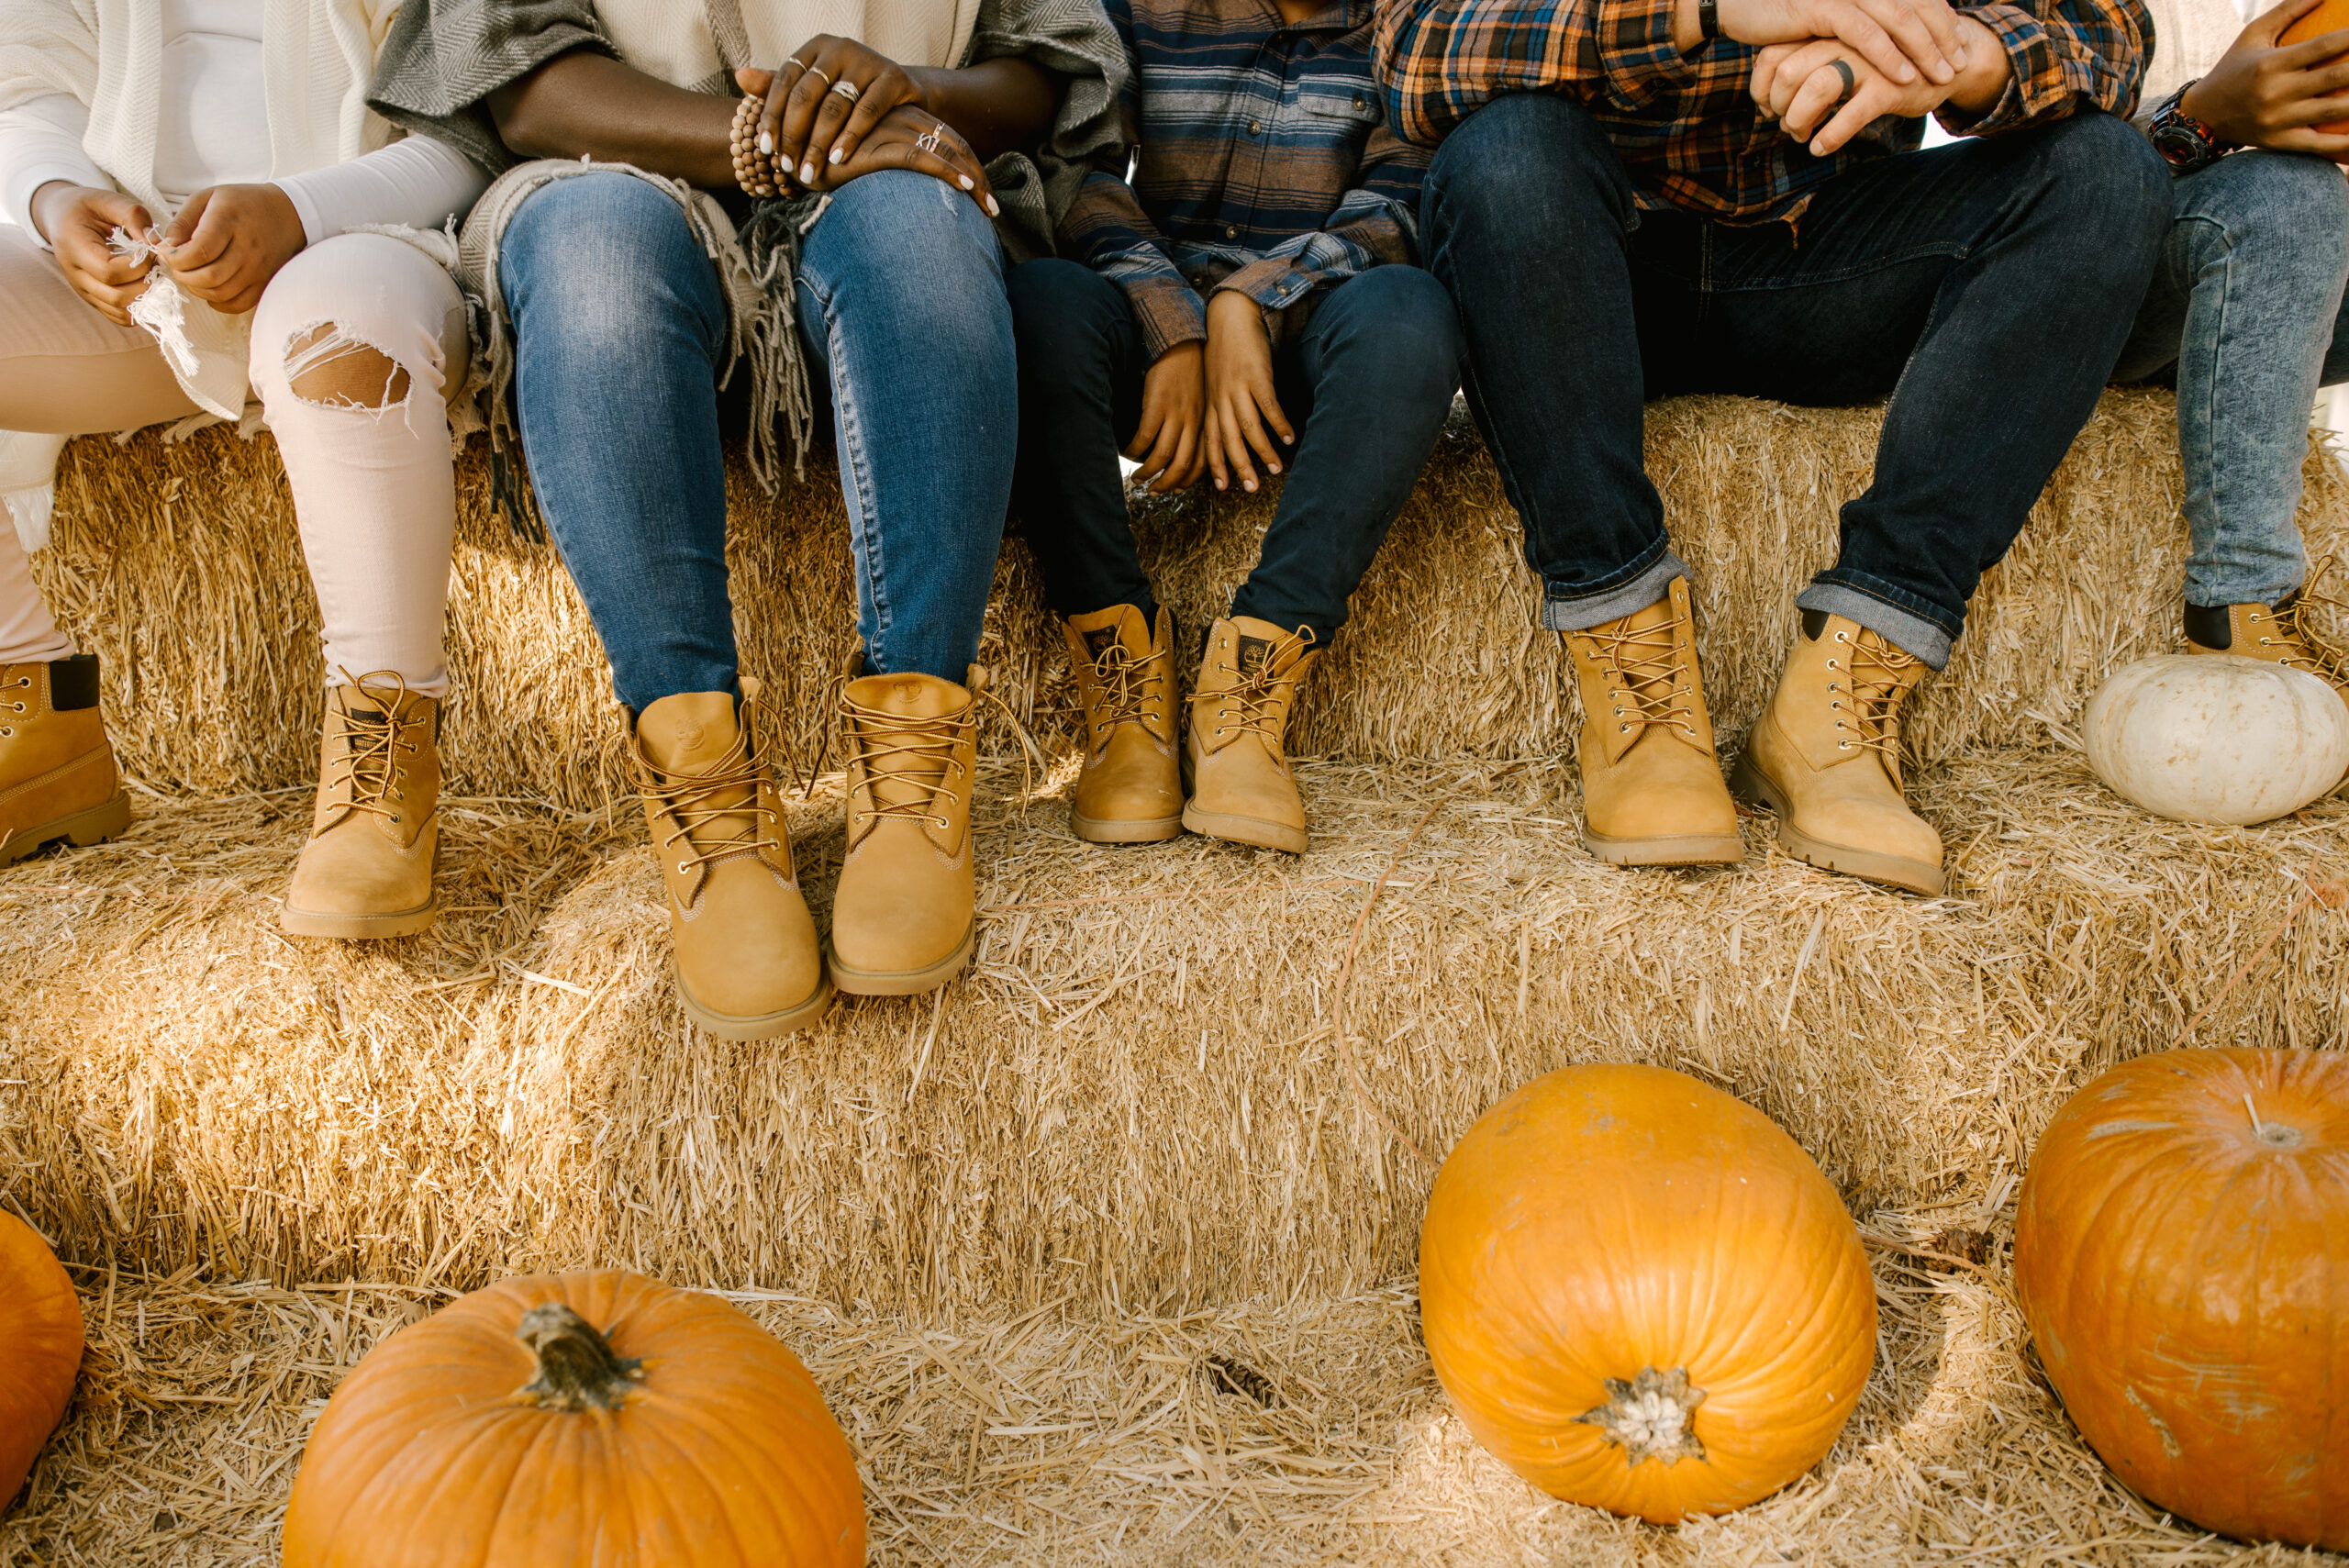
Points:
[(1131, 789), (1651, 790), (1825, 755), (2279, 633), (905, 907), (367, 868), (57, 778), (1241, 788), (744, 945)]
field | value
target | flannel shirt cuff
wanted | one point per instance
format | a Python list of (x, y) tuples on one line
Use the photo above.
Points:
[(1636, 50), (1277, 287), (2035, 86), (1168, 311)]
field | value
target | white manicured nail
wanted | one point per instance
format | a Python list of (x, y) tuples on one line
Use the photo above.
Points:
[(837, 155), (969, 184), (766, 144), (992, 210), (807, 174)]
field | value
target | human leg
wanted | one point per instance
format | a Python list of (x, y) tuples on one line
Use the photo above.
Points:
[(66, 370), (902, 307), (1527, 218), (619, 327)]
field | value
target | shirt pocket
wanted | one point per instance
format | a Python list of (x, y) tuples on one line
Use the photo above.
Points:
[(1356, 102)]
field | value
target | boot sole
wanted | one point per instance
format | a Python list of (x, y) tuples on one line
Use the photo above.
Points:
[(1672, 849), (1245, 830), (1893, 870), (319, 923), (93, 826), (1129, 831), (899, 982), (757, 1025)]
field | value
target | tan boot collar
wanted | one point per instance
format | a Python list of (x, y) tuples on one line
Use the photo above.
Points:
[(1125, 667), (1248, 679), (1867, 679), (2303, 647), (912, 740), (1647, 663), (705, 787), (384, 727)]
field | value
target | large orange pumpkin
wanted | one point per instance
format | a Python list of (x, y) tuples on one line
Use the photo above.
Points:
[(562, 1419), (2182, 1254), (1643, 1295), (2329, 17), (40, 1348)]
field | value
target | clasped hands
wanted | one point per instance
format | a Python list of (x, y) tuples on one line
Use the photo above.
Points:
[(1828, 69), (222, 246), (1210, 406), (823, 135)]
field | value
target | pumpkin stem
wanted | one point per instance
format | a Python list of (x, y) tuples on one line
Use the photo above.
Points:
[(577, 1370), (2274, 1134), (1648, 1418)]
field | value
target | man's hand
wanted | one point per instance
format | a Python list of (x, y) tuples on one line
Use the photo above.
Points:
[(77, 221), (2264, 92), (1241, 401), (1174, 407), (229, 242), (1904, 39), (1800, 87)]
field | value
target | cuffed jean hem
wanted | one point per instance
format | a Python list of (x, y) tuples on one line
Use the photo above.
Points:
[(1866, 603), (2240, 587), (1652, 579)]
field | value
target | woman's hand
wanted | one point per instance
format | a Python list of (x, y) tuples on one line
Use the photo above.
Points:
[(1174, 407), (910, 137), (78, 222), (229, 241), (1239, 390), (825, 100), (2265, 94)]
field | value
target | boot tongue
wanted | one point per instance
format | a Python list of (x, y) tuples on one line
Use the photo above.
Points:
[(1122, 626), (1256, 645), (906, 696), (687, 735)]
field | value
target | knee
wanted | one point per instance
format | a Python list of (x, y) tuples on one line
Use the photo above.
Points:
[(1513, 149), (351, 321), (614, 262), (1061, 313), (2112, 183), (901, 215), (2273, 200), (1402, 319)]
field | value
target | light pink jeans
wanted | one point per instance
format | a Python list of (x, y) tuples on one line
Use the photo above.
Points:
[(355, 345)]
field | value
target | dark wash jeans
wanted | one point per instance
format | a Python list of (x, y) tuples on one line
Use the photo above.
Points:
[(1366, 388), (1987, 286)]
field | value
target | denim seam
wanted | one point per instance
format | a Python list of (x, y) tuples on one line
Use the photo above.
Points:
[(2206, 449), (857, 470)]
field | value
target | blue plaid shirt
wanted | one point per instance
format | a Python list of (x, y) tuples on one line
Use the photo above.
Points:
[(1264, 165)]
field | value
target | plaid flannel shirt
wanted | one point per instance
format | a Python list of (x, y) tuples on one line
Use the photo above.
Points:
[(1687, 130), (1264, 165)]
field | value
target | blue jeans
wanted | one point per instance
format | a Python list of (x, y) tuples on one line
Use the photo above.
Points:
[(620, 333), (2245, 315), (1982, 284), (1366, 386)]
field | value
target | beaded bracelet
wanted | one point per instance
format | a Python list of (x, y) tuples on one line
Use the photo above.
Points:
[(755, 172)]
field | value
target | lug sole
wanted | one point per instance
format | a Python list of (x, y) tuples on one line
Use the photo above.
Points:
[(1129, 831), (361, 928), (1871, 865), (899, 982), (95, 825), (1670, 849), (757, 1025), (1249, 830)]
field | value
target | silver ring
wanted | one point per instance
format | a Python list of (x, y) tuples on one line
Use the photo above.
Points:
[(795, 60), (818, 70), (848, 89), (929, 141), (1843, 68)]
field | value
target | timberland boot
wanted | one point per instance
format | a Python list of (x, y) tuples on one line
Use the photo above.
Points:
[(1241, 785), (1130, 791), (747, 963), (1651, 790), (2279, 633), (905, 907), (367, 868), (1825, 755), (57, 778)]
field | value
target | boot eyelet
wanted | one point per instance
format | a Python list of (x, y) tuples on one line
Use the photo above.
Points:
[(1842, 636), (1622, 729), (1843, 745), (682, 868)]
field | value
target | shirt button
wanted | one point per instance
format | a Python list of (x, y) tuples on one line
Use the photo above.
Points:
[(1358, 102), (1257, 128), (1232, 231)]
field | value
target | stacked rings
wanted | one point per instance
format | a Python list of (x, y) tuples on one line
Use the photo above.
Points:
[(757, 173)]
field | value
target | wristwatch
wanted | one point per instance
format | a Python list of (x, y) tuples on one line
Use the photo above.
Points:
[(2184, 141)]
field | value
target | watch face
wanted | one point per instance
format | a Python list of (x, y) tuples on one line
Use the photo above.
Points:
[(2180, 145)]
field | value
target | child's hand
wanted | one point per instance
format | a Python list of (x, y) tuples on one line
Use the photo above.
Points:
[(229, 242), (79, 221), (2265, 94), (1239, 390), (1174, 405)]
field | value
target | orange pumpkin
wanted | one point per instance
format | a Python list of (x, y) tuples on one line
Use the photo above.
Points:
[(1643, 1295), (2331, 16), (40, 1348), (2182, 1254), (560, 1420)]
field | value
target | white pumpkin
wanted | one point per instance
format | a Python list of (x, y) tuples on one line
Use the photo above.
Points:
[(2217, 737)]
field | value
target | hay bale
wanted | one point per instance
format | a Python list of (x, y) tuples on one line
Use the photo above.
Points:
[(180, 566)]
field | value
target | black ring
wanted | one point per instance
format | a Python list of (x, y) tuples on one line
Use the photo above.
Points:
[(1843, 68)]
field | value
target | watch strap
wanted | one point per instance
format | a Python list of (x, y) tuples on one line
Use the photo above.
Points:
[(1709, 19)]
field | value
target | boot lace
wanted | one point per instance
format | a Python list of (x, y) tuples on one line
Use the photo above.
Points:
[(1878, 676), (881, 736), (1647, 666), (374, 740), (1130, 688), (1255, 697), (2309, 651), (698, 801)]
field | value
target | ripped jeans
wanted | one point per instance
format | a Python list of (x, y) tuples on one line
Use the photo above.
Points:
[(354, 345)]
